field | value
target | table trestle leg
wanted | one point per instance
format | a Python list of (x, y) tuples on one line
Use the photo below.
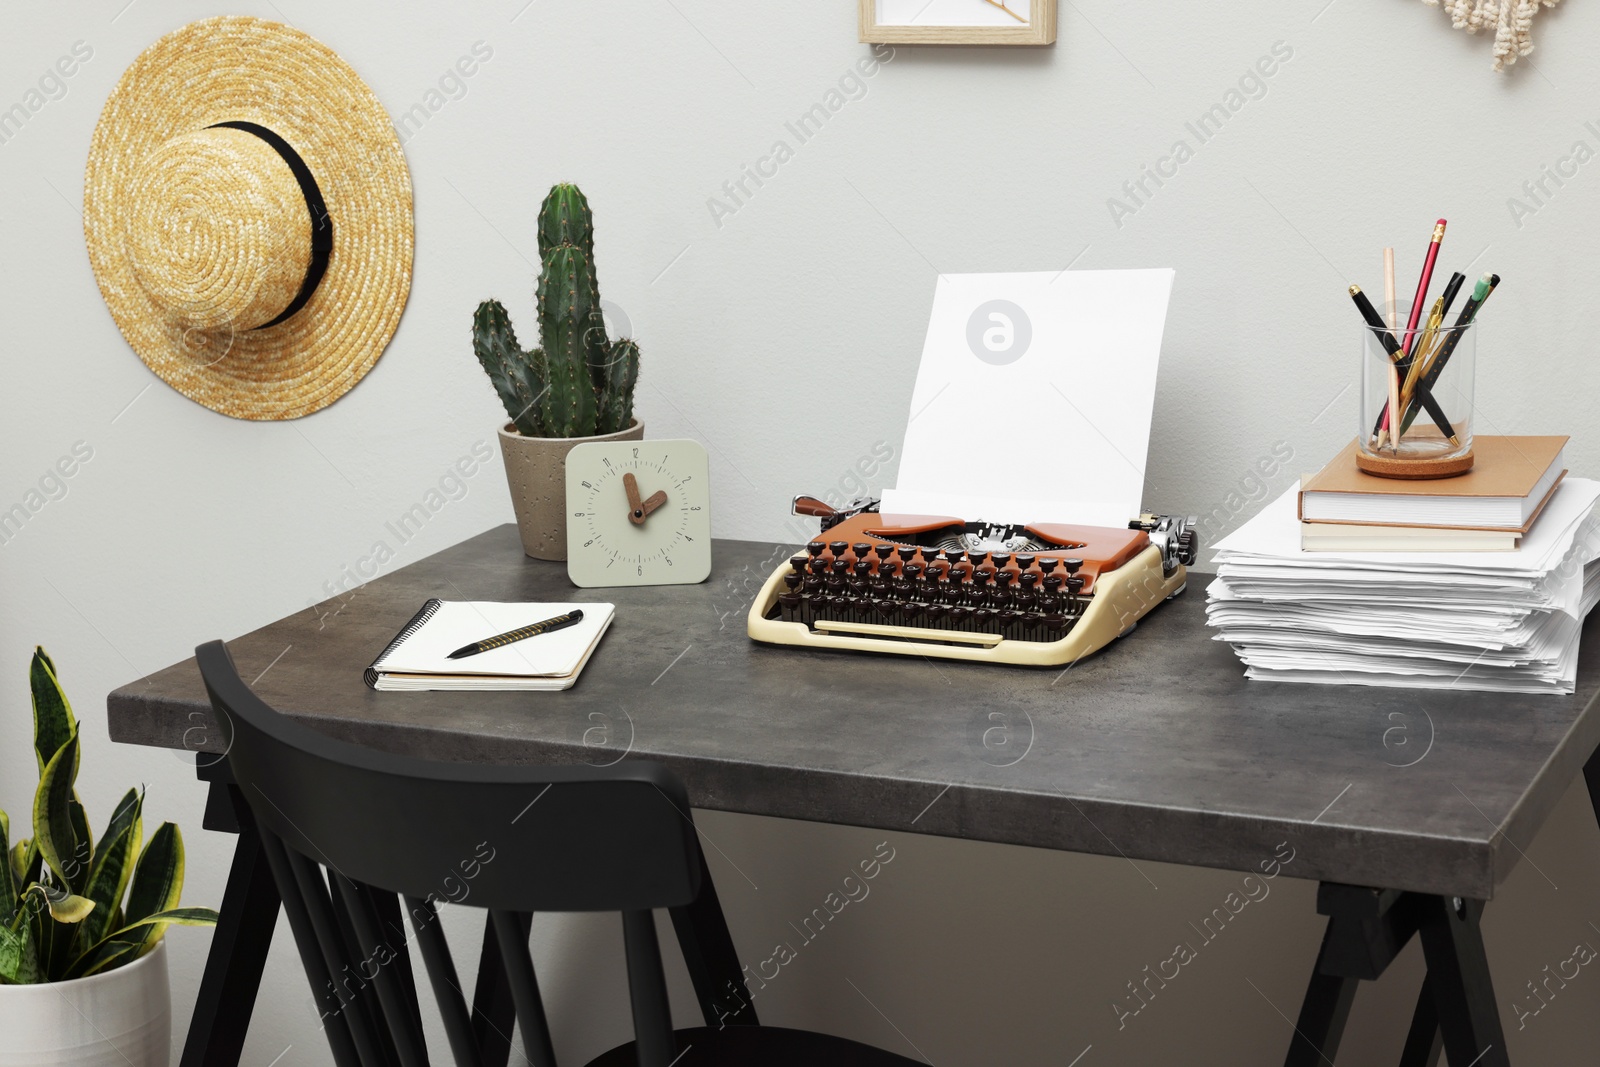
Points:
[(1367, 928)]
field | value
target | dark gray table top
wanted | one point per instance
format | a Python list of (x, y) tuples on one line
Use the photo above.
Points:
[(1157, 748)]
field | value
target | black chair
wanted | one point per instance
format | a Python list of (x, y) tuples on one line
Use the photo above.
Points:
[(346, 829)]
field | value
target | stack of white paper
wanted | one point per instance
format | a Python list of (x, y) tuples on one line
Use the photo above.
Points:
[(1500, 621)]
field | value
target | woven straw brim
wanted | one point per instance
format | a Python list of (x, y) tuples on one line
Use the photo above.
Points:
[(233, 69)]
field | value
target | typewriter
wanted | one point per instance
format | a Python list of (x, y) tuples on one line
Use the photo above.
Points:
[(1042, 595)]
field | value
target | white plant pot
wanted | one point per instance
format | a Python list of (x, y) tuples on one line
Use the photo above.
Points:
[(121, 1018)]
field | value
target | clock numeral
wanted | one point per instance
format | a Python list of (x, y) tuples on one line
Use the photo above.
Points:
[(586, 485), (641, 568), (694, 509), (636, 453), (580, 514), (589, 542), (607, 462), (669, 561)]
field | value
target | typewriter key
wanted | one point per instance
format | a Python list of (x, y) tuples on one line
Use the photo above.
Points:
[(1025, 561), (861, 548), (1001, 559), (815, 548), (791, 579), (838, 547), (861, 567), (977, 558), (1072, 566), (1048, 564), (883, 550)]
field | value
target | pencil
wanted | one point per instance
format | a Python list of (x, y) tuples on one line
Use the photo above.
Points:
[(1422, 284), (1469, 314), (1416, 315), (1391, 310)]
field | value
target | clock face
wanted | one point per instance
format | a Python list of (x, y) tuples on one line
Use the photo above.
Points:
[(638, 513)]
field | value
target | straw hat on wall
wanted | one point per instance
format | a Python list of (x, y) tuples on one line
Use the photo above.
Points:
[(248, 213)]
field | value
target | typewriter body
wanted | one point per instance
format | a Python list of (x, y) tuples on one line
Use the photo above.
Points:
[(1040, 595)]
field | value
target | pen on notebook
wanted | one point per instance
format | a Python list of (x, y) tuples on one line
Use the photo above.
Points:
[(560, 622), (1390, 345)]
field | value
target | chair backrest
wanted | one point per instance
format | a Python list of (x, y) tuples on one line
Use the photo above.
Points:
[(346, 828)]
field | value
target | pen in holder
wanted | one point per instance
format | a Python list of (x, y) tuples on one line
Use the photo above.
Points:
[(1429, 374)]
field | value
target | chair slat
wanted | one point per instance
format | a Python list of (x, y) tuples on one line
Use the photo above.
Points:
[(494, 1016), (386, 908), (647, 988), (513, 938), (345, 1053), (319, 909), (405, 1029), (441, 968)]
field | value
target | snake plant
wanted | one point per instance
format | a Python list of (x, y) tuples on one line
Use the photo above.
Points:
[(578, 383), (71, 906)]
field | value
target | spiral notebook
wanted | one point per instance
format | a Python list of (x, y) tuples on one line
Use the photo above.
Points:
[(418, 657)]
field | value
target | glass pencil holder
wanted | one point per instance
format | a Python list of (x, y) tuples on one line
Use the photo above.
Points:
[(1427, 374)]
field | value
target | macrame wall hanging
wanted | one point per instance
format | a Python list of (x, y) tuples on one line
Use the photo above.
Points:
[(1511, 21)]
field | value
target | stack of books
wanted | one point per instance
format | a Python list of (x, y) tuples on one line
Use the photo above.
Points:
[(1488, 509), (1452, 583)]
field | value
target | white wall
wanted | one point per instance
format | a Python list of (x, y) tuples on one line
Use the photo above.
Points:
[(786, 338)]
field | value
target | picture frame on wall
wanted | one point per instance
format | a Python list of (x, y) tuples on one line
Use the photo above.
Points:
[(1019, 22)]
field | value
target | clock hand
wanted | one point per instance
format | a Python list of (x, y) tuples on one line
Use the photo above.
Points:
[(630, 485), (655, 500)]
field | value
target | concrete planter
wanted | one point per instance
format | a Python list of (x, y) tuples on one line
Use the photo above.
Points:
[(121, 1018), (536, 471)]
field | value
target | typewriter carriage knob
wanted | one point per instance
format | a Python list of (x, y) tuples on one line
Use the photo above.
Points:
[(1178, 537)]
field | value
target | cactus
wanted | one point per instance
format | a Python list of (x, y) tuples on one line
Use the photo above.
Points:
[(508, 366), (569, 408), (616, 406), (578, 383), (565, 219)]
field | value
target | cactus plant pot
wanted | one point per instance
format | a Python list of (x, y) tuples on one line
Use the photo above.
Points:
[(120, 1017), (536, 471)]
